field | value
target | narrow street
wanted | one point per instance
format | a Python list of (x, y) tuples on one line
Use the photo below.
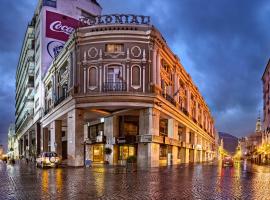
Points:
[(207, 181)]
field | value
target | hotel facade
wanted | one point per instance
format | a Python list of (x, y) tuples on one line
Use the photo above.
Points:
[(117, 85), (88, 84)]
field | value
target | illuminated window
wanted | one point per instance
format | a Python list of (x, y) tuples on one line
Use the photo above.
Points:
[(114, 48), (126, 151)]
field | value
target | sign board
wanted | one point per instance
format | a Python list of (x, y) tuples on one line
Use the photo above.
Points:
[(58, 28)]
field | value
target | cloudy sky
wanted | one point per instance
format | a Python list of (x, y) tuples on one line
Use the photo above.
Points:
[(224, 45)]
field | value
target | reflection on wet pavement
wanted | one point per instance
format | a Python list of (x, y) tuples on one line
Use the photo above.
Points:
[(206, 181)]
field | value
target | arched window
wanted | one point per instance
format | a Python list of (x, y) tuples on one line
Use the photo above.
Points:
[(136, 79), (92, 77)]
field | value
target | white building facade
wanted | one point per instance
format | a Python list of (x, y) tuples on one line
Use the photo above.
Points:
[(52, 23)]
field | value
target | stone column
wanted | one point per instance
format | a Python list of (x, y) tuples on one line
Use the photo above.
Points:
[(158, 81), (184, 155), (75, 138), (45, 139), (111, 131), (171, 128), (197, 110), (175, 155), (188, 101), (29, 139), (154, 66), (38, 139), (56, 137), (148, 153), (23, 145)]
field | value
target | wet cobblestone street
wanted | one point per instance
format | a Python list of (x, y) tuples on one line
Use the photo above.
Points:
[(206, 181)]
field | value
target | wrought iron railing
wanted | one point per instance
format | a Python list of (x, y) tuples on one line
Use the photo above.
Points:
[(114, 87), (169, 98)]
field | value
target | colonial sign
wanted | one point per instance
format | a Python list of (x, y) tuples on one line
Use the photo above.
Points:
[(115, 19)]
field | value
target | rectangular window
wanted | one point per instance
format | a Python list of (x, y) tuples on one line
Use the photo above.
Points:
[(114, 48), (126, 151), (163, 151), (93, 131), (37, 103), (179, 153), (180, 133), (163, 127)]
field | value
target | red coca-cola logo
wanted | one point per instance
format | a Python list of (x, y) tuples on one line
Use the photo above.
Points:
[(59, 26)]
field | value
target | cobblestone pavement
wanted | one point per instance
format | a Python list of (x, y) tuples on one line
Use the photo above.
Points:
[(206, 181)]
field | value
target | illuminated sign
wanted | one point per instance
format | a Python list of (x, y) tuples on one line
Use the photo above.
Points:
[(116, 19)]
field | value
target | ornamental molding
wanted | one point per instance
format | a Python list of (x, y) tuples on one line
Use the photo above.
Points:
[(134, 53)]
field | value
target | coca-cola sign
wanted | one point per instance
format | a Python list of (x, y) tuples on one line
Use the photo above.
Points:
[(59, 26)]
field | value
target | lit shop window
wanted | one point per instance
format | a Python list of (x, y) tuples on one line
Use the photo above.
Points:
[(126, 151), (114, 48)]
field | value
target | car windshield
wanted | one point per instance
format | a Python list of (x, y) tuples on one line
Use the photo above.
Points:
[(50, 154)]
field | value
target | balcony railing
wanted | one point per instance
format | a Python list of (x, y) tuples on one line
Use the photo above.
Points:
[(169, 98), (114, 87), (59, 100)]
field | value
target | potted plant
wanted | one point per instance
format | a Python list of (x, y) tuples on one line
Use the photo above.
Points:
[(131, 163), (108, 152)]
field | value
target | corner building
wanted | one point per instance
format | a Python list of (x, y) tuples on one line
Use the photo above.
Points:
[(119, 86)]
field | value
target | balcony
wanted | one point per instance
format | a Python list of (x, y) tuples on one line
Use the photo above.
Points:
[(114, 87), (169, 98), (59, 100)]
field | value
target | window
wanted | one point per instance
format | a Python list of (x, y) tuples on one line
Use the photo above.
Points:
[(129, 125), (87, 15), (163, 151), (180, 133), (92, 77), (163, 127), (114, 48), (136, 75), (179, 153), (94, 130), (126, 151), (37, 103)]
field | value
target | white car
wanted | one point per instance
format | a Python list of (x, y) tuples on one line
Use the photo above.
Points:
[(48, 159)]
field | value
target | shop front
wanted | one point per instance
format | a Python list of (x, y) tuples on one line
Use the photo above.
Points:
[(95, 144), (125, 151)]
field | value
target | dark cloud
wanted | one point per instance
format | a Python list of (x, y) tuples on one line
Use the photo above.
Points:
[(223, 44), (15, 15)]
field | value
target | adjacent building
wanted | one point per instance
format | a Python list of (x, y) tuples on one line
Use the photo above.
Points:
[(46, 34), (266, 97), (13, 151)]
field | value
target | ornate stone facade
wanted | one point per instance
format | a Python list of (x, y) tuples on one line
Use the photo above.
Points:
[(120, 87)]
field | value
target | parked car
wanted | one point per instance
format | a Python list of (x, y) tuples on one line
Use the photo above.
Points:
[(48, 159), (227, 162)]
